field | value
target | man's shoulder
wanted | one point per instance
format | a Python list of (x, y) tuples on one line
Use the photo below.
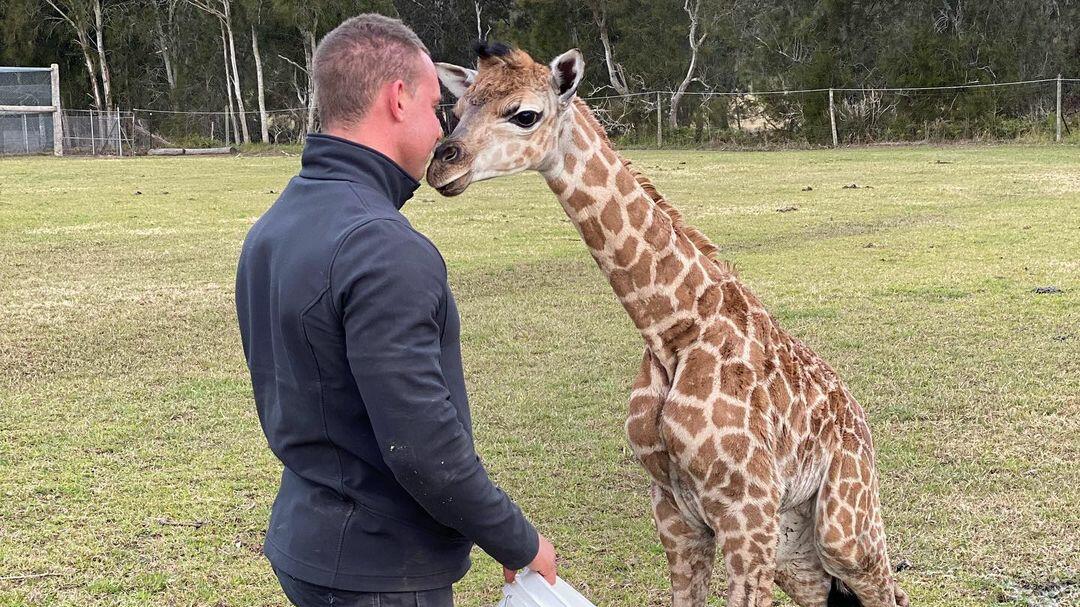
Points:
[(391, 263), (336, 198), (390, 238)]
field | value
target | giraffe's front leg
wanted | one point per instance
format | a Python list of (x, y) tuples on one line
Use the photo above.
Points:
[(742, 508), (690, 548), (750, 560), (643, 418)]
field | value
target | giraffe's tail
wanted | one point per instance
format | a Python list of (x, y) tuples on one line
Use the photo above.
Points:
[(840, 596)]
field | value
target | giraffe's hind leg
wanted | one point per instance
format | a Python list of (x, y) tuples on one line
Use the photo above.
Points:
[(850, 534), (799, 572)]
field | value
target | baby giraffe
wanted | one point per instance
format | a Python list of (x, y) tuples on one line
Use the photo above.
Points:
[(752, 442)]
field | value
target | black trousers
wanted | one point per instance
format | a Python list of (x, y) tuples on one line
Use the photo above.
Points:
[(306, 594)]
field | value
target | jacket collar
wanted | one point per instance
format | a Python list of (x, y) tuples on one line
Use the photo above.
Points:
[(330, 157)]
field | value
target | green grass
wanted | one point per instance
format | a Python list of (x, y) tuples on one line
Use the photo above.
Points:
[(133, 470)]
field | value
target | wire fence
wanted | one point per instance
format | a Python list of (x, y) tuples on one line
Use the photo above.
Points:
[(1043, 109), (820, 116), (208, 129), (99, 133), (1038, 109)]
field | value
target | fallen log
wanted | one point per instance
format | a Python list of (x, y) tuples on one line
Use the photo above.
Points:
[(191, 151)]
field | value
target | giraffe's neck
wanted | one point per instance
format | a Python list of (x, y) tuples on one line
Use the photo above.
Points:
[(656, 271)]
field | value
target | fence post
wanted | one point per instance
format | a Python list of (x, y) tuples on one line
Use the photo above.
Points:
[(119, 134), (1057, 136), (93, 141), (659, 121), (832, 119), (58, 115)]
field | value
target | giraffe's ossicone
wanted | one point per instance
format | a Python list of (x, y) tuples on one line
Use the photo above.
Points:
[(752, 442)]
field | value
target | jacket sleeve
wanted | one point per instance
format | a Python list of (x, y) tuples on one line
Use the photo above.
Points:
[(389, 284)]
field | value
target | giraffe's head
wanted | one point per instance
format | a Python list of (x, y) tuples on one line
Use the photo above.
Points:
[(509, 112)]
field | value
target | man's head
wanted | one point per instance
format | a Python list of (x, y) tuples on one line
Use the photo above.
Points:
[(376, 85), (510, 109)]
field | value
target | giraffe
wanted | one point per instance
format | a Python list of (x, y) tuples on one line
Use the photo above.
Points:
[(751, 441)]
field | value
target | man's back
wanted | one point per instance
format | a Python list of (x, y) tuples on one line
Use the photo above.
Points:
[(351, 337)]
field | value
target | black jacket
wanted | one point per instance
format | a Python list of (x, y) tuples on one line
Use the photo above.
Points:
[(351, 335)]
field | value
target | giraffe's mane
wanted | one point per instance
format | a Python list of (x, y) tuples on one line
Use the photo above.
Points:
[(696, 236)]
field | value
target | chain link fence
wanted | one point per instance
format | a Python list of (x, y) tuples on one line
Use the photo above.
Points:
[(26, 111), (22, 134)]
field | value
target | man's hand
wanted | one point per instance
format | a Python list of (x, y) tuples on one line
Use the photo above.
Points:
[(544, 563)]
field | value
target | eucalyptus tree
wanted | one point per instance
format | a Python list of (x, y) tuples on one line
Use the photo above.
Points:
[(86, 20)]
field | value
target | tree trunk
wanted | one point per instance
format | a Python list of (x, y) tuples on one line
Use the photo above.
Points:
[(479, 28), (84, 45), (480, 33), (693, 9), (301, 96), (106, 83), (235, 74), (164, 49), (309, 56), (82, 38), (262, 90), (228, 84), (615, 75)]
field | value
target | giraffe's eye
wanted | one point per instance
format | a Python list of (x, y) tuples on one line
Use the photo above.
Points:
[(525, 119)]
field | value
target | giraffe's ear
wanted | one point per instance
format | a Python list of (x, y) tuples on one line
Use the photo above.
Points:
[(456, 79), (566, 72)]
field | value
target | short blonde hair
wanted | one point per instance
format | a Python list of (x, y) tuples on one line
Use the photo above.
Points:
[(355, 59)]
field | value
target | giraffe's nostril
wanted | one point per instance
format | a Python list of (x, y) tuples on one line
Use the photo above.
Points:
[(447, 152)]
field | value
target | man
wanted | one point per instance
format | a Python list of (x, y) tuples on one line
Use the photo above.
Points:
[(351, 336)]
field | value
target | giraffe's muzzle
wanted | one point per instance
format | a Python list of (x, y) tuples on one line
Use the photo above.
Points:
[(448, 151), (454, 187), (449, 172)]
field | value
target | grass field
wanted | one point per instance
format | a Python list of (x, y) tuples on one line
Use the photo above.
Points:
[(133, 470)]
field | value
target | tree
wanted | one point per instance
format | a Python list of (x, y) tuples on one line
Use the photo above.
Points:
[(103, 63), (86, 22), (222, 9), (616, 75), (156, 54), (165, 35), (256, 10), (703, 17)]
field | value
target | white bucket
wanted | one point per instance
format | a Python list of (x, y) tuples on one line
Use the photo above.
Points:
[(530, 589)]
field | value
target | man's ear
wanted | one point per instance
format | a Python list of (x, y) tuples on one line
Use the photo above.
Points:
[(396, 95), (566, 72), (456, 79)]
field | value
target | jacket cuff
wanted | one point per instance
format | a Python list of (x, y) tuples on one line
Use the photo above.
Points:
[(523, 551)]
